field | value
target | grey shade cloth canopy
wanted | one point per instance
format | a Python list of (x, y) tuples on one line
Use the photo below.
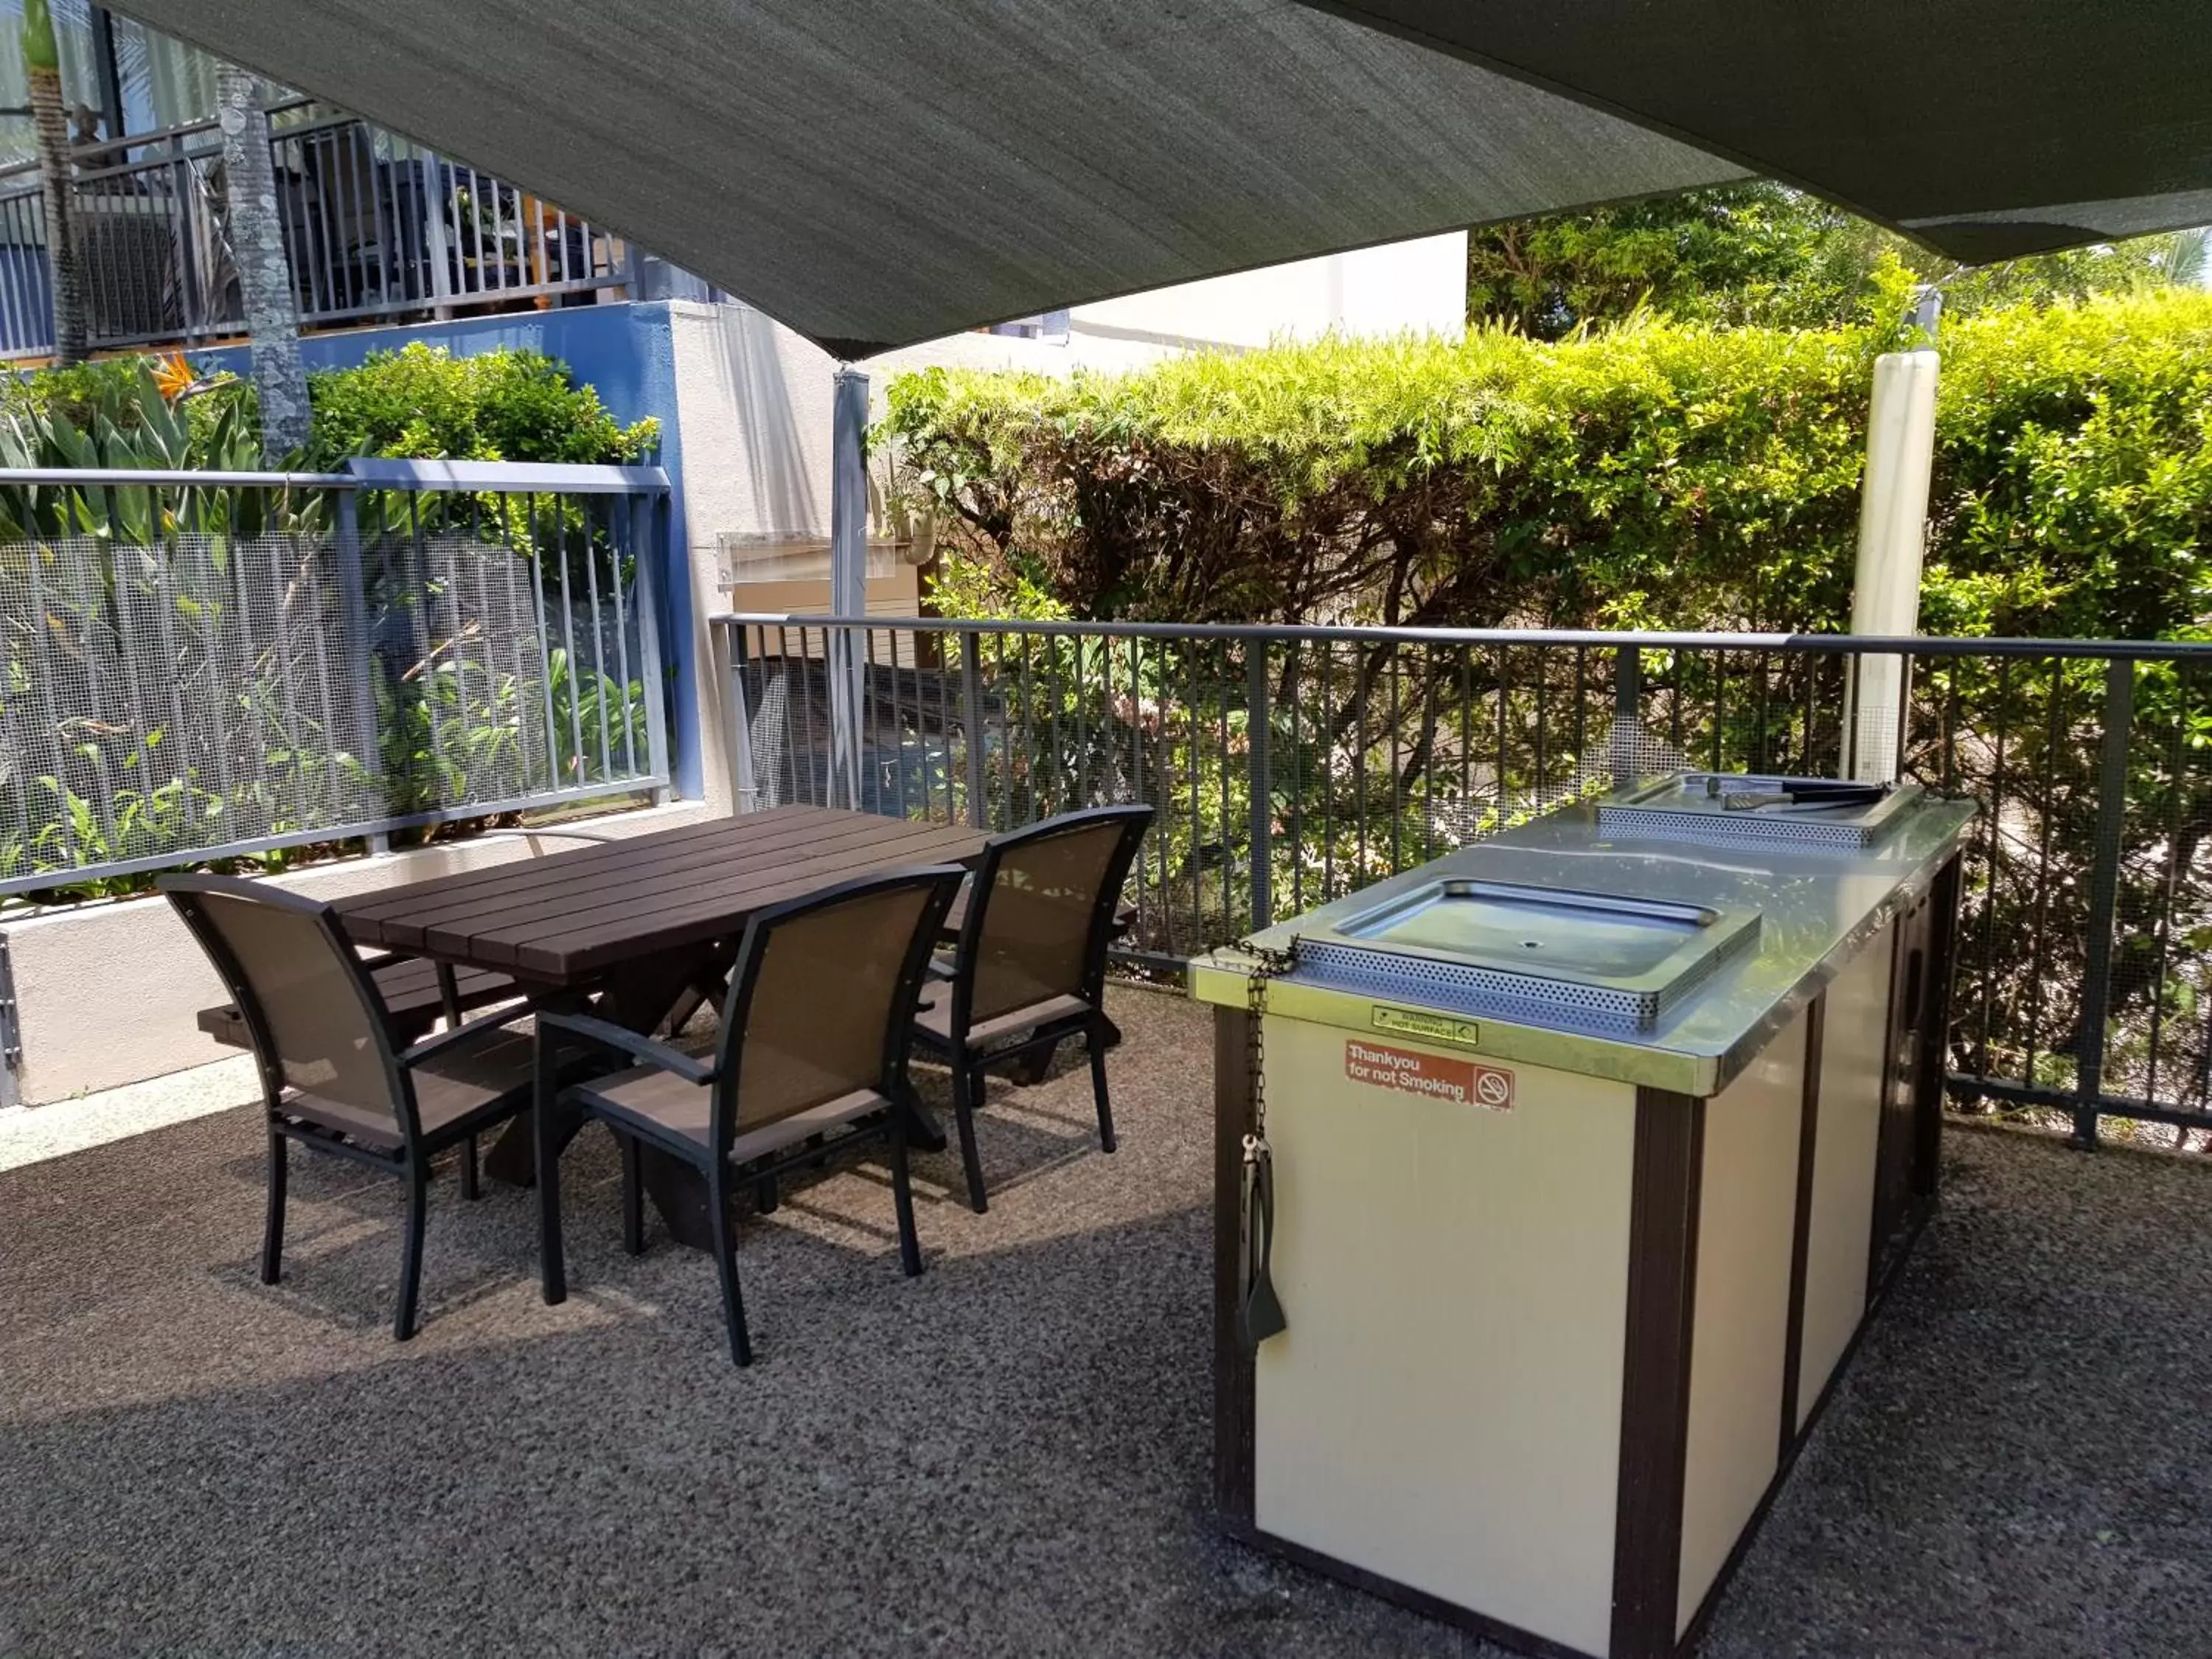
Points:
[(1986, 129), (875, 172)]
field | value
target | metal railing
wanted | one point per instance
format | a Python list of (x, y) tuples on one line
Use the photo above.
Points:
[(200, 666), (376, 227), (1291, 765)]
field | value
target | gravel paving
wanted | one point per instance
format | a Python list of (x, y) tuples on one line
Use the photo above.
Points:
[(1008, 1455)]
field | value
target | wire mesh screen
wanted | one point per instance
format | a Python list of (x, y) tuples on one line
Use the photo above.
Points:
[(218, 691), (160, 698), (1290, 771)]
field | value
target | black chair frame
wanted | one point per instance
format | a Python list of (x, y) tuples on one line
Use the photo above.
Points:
[(1098, 1032), (723, 1179), (410, 1160)]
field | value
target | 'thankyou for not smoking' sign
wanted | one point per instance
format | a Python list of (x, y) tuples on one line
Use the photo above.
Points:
[(1460, 1082)]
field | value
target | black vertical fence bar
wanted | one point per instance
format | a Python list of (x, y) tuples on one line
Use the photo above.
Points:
[(2046, 794), (2169, 884), (1195, 863), (1076, 642), (1256, 747), (1294, 796), (1394, 763), (1358, 767), (946, 721), (1220, 681), (971, 696), (2103, 891), (1627, 704)]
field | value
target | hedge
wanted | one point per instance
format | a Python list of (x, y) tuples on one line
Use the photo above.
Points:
[(1660, 475), (420, 402)]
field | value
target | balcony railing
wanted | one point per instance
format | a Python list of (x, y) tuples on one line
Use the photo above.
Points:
[(1293, 765), (377, 228), (201, 665)]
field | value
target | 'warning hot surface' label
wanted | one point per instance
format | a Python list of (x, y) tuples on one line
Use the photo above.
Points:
[(1460, 1081)]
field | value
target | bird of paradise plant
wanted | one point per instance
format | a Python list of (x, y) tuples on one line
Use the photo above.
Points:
[(176, 380)]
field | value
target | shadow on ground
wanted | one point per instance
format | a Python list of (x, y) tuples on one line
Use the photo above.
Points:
[(1008, 1455)]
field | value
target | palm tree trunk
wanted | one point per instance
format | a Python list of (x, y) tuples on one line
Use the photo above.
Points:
[(50, 119), (264, 271)]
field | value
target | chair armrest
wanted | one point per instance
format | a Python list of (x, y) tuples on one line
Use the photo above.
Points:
[(431, 1047), (621, 1038)]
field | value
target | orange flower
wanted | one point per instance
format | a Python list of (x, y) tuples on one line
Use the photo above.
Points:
[(173, 375)]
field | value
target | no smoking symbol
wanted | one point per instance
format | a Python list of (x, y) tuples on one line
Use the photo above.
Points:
[(1494, 1088)]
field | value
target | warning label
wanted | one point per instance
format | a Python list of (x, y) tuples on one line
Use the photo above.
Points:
[(1460, 1081)]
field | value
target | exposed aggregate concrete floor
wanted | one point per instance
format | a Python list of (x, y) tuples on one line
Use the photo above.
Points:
[(1008, 1455)]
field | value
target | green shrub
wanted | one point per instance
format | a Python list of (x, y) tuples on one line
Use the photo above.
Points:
[(420, 402), (1659, 475), (130, 783), (423, 403)]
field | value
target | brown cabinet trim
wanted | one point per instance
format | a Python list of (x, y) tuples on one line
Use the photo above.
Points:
[(1667, 1171), (1801, 1226)]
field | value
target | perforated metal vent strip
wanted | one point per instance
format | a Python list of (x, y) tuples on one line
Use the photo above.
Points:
[(1730, 828), (1478, 990)]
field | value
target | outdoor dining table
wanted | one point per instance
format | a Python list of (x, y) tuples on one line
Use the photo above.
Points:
[(638, 925)]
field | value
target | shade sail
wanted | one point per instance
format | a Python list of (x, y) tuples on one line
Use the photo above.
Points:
[(877, 171), (1985, 128)]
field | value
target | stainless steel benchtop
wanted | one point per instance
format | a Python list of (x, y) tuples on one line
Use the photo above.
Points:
[(1818, 907)]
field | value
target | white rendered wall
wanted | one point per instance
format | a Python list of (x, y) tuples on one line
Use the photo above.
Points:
[(753, 398), (1417, 287)]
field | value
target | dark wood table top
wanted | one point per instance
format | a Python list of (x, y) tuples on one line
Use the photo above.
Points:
[(568, 917)]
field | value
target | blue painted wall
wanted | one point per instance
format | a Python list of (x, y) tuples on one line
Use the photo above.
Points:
[(627, 354)]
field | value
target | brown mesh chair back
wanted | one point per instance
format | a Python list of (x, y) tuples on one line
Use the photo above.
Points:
[(1039, 919), (311, 1011), (823, 997)]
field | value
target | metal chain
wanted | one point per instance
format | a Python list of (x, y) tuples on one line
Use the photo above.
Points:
[(1266, 965), (1259, 1311)]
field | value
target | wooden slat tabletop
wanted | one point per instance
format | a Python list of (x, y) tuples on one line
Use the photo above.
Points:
[(569, 916)]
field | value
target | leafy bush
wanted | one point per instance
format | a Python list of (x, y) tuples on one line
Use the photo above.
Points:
[(1659, 475), (1762, 252), (423, 403), (162, 692)]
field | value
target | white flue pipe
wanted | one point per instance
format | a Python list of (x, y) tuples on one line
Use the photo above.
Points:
[(1893, 537)]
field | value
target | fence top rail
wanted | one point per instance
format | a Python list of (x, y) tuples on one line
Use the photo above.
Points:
[(93, 159), (101, 476), (538, 478), (1836, 644), (545, 478)]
